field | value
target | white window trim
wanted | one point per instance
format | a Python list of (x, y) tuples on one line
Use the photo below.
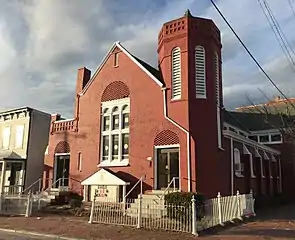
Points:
[(257, 154), (238, 173), (9, 137), (120, 103), (175, 96), (197, 80), (22, 137), (246, 151)]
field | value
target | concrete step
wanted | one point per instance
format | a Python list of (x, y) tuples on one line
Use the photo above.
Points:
[(149, 201)]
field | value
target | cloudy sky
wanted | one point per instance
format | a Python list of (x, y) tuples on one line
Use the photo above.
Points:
[(42, 43)]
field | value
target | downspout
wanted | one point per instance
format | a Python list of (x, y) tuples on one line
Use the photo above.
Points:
[(231, 166), (187, 138)]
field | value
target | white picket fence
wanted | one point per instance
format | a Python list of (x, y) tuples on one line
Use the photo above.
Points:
[(158, 215)]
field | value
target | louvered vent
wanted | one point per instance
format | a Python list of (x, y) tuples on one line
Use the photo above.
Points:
[(200, 72), (176, 73), (217, 79)]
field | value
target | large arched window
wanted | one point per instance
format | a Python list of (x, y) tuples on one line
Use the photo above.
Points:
[(115, 133), (200, 71), (176, 73)]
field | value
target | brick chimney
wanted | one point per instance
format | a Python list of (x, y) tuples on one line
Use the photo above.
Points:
[(83, 77)]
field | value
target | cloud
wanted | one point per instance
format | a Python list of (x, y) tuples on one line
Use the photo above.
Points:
[(42, 43)]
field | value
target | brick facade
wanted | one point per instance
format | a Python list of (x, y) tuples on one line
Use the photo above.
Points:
[(204, 166)]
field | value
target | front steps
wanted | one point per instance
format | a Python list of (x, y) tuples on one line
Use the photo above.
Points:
[(153, 205)]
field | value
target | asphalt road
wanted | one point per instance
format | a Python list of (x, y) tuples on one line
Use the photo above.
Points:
[(16, 236)]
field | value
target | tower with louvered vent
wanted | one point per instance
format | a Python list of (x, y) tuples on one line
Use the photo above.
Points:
[(189, 52)]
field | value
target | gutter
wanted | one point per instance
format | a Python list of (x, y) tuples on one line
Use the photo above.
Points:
[(187, 138)]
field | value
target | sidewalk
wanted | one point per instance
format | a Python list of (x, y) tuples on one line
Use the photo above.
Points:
[(273, 225)]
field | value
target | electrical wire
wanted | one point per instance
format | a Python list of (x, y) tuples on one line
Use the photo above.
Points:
[(250, 54)]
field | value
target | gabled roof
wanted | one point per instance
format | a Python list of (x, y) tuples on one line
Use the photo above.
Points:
[(153, 73), (104, 177)]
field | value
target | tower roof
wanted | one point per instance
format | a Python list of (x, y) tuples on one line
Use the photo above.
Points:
[(188, 13)]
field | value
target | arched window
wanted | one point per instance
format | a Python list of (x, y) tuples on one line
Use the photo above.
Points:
[(176, 73), (115, 133), (200, 71)]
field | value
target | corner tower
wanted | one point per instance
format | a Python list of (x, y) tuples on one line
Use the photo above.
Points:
[(189, 52)]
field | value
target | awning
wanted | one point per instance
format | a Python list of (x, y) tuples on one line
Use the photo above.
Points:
[(8, 154), (104, 177)]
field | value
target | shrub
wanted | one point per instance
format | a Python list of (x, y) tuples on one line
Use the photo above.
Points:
[(179, 205), (66, 197)]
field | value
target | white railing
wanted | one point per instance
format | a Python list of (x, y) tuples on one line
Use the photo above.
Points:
[(13, 189), (16, 204), (30, 187), (59, 183), (184, 217), (173, 181)]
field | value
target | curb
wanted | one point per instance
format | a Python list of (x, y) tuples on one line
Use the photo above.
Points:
[(38, 234)]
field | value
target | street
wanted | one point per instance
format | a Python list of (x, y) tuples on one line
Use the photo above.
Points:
[(17, 236)]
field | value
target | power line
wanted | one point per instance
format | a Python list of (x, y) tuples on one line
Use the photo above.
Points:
[(292, 8), (280, 32), (278, 36), (250, 54)]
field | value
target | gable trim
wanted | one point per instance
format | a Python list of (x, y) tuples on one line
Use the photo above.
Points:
[(124, 50)]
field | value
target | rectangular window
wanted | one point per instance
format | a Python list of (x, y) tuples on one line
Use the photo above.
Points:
[(232, 129), (254, 138), (125, 123), (80, 162), (116, 59), (264, 138), (19, 136), (6, 137), (115, 146), (276, 138), (115, 122), (125, 145), (106, 123), (105, 148)]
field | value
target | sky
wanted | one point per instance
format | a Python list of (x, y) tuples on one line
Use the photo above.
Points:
[(43, 43)]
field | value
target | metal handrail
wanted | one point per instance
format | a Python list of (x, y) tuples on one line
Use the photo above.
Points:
[(140, 180), (56, 181), (33, 184), (174, 187)]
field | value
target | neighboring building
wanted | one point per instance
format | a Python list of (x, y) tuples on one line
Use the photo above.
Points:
[(276, 106), (132, 120), (23, 140)]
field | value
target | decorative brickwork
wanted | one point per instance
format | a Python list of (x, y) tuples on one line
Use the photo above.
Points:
[(166, 137), (115, 90), (62, 147)]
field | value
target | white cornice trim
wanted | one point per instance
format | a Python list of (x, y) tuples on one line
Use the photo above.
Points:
[(118, 45), (248, 141)]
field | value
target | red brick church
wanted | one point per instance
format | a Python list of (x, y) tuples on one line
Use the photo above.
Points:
[(166, 125)]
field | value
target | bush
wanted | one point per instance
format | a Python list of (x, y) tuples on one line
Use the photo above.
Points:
[(66, 197), (179, 205)]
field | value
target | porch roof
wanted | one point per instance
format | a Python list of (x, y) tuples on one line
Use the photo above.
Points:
[(104, 177), (9, 154)]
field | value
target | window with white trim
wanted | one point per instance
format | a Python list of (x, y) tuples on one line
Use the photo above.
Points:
[(239, 167), (6, 137), (79, 165), (115, 133), (200, 72), (19, 136), (176, 73)]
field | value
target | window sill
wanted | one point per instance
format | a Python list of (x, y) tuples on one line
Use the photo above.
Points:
[(114, 164), (239, 175), (253, 176), (176, 99)]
